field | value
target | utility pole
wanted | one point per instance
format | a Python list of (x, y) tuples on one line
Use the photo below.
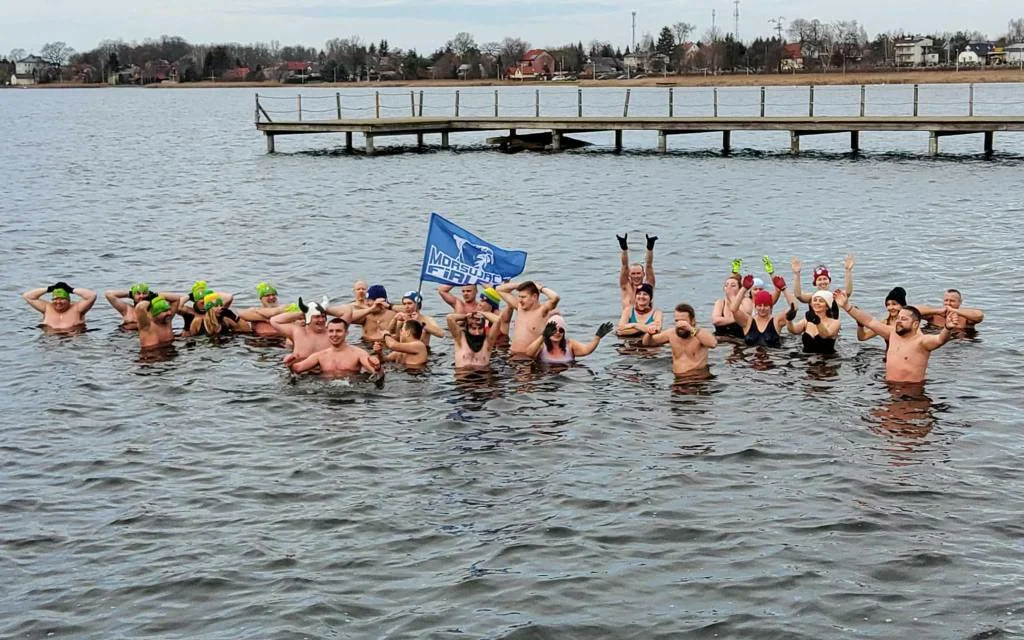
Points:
[(778, 30), (712, 21), (736, 20), (778, 25), (632, 45)]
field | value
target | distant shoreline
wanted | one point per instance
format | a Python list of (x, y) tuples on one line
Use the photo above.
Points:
[(919, 76)]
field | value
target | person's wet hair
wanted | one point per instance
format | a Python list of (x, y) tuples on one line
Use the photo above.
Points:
[(682, 307), (340, 321), (415, 328), (529, 287), (913, 311)]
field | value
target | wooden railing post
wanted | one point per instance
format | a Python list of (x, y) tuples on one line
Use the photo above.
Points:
[(970, 100), (299, 98), (377, 103), (456, 103), (915, 100), (421, 103), (714, 100), (863, 102), (762, 102), (625, 107), (536, 103), (337, 99), (671, 106), (579, 103), (412, 103), (257, 114), (810, 102), (495, 103)]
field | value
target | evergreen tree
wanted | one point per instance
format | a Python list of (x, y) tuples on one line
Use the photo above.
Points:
[(666, 41)]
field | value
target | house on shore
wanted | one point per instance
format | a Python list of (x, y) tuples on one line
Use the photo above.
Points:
[(30, 66), (975, 54), (792, 57), (914, 52), (536, 64), (1014, 53)]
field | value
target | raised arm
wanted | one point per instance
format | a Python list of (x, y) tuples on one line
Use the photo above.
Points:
[(34, 299), (624, 259), (445, 291), (116, 299), (88, 299), (260, 314), (552, 299), (861, 316), (580, 350), (848, 263), (797, 293), (657, 339), (285, 322), (736, 305), (142, 317), (934, 341), (453, 320), (649, 259), (430, 326), (973, 316), (343, 311)]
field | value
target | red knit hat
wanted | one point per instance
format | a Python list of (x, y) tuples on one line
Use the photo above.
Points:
[(820, 270), (762, 298)]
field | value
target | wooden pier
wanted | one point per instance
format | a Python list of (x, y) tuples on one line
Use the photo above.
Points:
[(418, 125)]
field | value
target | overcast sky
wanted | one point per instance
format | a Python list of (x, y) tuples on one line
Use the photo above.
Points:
[(427, 24)]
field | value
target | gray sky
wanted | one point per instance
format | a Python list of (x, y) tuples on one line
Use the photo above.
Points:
[(427, 24)]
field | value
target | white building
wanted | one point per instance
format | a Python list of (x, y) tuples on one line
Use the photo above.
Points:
[(1014, 53), (30, 66), (975, 53), (912, 52)]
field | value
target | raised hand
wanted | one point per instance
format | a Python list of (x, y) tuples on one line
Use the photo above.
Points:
[(840, 298), (622, 241), (779, 282), (748, 281), (848, 262), (795, 264), (549, 330), (603, 330), (737, 264), (769, 268), (812, 317), (650, 241)]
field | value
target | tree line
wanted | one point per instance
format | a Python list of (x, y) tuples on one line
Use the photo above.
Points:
[(828, 45)]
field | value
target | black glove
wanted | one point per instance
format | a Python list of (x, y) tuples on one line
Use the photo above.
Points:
[(650, 241), (791, 314), (191, 297), (835, 309), (151, 295), (812, 317), (622, 241), (60, 285), (604, 330), (549, 330)]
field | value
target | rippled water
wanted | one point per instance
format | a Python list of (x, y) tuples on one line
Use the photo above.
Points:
[(210, 495)]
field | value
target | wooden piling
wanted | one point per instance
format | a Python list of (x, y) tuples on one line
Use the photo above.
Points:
[(671, 107), (579, 103), (421, 103), (989, 139), (495, 103), (270, 143), (625, 106), (377, 102), (863, 102), (618, 139), (536, 103), (444, 140), (810, 102), (714, 99), (855, 141), (794, 142), (933, 143), (916, 94), (456, 103), (762, 101), (299, 97), (726, 142), (556, 140), (662, 142), (337, 99), (348, 141)]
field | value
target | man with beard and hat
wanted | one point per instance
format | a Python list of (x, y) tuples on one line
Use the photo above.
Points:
[(60, 314), (690, 343), (306, 338), (906, 358), (473, 342)]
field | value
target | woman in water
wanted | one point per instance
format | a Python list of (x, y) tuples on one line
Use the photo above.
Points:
[(642, 317), (761, 329), (820, 326), (215, 319), (552, 347), (896, 300), (722, 316), (822, 280)]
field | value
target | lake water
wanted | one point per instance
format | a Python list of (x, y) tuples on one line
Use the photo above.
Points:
[(211, 495)]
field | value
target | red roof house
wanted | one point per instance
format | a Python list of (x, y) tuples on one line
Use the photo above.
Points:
[(535, 64)]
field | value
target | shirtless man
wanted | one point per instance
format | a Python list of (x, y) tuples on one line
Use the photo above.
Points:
[(690, 343), (376, 316), (468, 303), (409, 349), (306, 338), (345, 310), (906, 358), (412, 303), (60, 314), (339, 358), (154, 318), (952, 300), (531, 315), (632, 276), (473, 343), (136, 294), (259, 317)]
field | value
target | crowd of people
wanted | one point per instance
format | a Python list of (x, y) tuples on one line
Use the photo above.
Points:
[(525, 317)]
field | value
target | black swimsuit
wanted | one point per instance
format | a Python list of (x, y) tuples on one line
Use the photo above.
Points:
[(733, 330), (818, 344), (767, 338)]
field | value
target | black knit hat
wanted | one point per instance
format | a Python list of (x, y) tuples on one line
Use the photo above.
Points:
[(899, 295)]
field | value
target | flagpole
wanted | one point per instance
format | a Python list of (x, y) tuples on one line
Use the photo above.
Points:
[(426, 248)]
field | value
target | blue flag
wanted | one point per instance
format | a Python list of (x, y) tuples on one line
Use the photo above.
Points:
[(456, 256)]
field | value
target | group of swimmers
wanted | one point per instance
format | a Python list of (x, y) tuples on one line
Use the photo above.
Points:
[(525, 316)]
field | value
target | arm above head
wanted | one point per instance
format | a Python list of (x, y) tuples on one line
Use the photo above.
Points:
[(285, 322), (797, 293), (116, 299), (453, 320), (343, 311), (142, 314), (649, 263), (359, 315), (552, 299), (33, 297), (861, 316), (848, 263), (430, 326), (736, 304), (445, 291)]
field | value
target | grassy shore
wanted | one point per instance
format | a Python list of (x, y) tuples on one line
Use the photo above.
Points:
[(918, 76)]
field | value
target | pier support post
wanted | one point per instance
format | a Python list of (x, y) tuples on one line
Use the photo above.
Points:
[(444, 139), (270, 143), (348, 141), (556, 140), (370, 150), (618, 139), (794, 142), (662, 142), (933, 143), (419, 140), (989, 135), (855, 141), (726, 142)]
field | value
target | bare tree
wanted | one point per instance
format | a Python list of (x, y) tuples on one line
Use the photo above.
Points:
[(56, 53), (682, 31), (512, 50), (16, 54), (1016, 32), (462, 43), (646, 43)]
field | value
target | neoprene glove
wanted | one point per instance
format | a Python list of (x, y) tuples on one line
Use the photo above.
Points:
[(791, 314), (622, 241), (748, 281), (604, 330), (650, 241), (769, 268), (779, 282), (62, 285), (550, 329), (812, 317)]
